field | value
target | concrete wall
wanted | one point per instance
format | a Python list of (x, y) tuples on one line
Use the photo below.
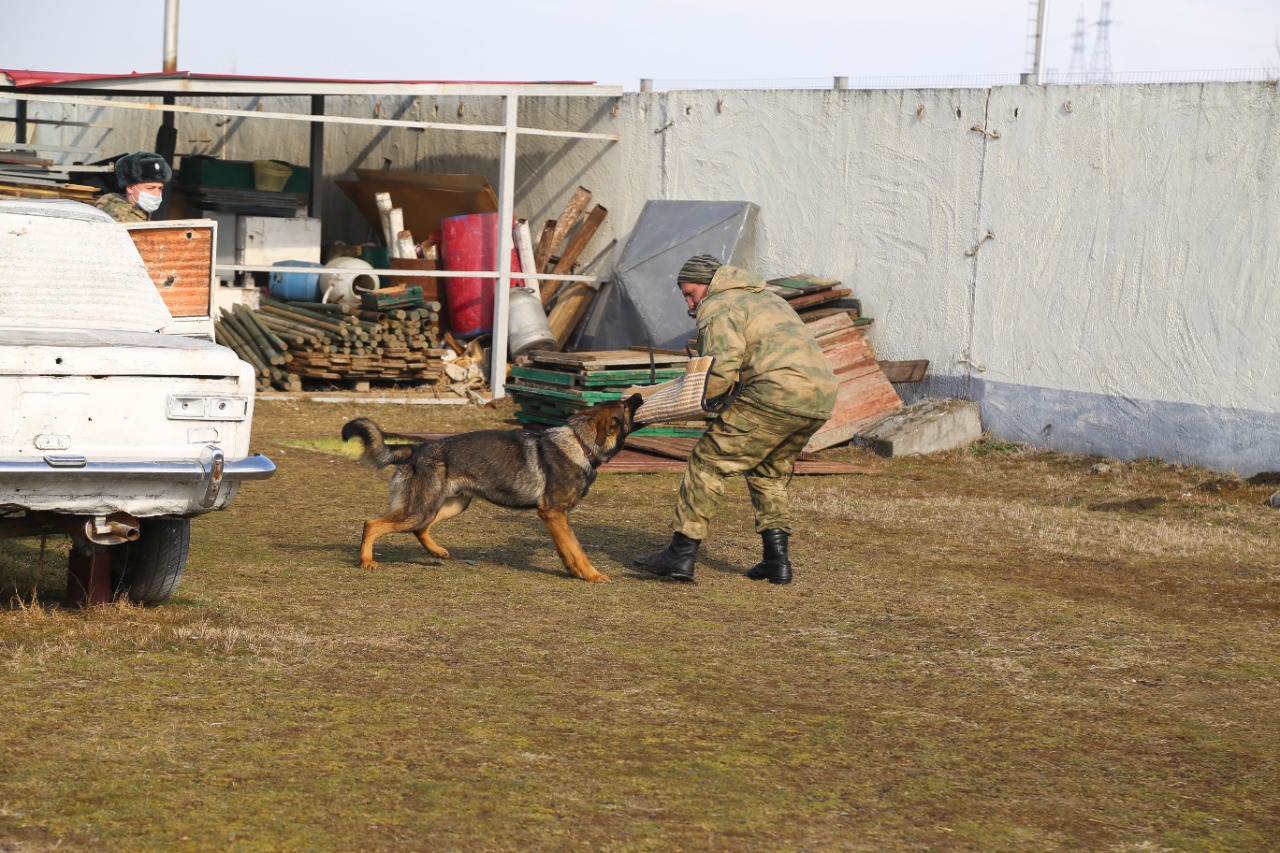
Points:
[(1099, 266), (1127, 300)]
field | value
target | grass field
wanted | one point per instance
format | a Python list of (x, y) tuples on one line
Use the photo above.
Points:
[(993, 649)]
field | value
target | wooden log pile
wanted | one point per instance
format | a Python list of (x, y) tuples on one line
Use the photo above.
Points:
[(288, 342)]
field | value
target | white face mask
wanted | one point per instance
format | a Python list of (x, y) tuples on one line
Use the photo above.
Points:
[(150, 202)]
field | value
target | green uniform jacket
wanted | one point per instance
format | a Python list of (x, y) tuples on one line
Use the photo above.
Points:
[(756, 337), (120, 208)]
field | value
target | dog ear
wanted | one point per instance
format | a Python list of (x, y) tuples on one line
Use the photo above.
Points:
[(603, 426), (635, 401)]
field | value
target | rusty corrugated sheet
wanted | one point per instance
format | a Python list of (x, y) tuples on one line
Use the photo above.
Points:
[(179, 258)]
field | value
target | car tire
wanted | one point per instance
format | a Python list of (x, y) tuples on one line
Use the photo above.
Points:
[(147, 571)]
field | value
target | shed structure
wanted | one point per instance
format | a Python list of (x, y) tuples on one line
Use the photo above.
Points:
[(140, 91)]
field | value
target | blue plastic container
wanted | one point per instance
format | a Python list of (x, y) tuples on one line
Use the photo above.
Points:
[(296, 286)]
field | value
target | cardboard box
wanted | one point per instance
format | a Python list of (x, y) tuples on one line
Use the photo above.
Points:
[(425, 198)]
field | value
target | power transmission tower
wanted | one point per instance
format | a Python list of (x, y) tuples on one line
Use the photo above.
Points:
[(1100, 64), (1076, 71)]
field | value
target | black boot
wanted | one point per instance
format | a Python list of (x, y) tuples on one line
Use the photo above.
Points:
[(776, 565), (676, 562)]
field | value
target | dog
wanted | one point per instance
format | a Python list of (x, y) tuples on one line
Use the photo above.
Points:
[(549, 470)]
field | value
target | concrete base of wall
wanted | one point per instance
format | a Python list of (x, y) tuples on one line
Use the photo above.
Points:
[(1238, 440), (929, 426)]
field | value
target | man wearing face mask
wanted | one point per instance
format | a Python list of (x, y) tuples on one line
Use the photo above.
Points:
[(782, 390), (142, 176)]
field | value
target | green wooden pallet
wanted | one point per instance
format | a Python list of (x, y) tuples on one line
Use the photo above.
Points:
[(534, 419), (622, 379)]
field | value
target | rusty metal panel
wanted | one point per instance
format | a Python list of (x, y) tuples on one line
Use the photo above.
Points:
[(179, 256)]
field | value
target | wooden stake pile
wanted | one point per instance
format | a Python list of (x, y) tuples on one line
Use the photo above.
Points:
[(287, 342), (572, 299)]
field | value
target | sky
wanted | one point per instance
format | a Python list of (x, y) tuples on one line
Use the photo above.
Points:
[(621, 43)]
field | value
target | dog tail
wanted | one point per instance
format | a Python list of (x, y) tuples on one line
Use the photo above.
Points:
[(377, 453)]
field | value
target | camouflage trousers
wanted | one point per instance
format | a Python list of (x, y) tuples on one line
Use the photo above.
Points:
[(755, 441)]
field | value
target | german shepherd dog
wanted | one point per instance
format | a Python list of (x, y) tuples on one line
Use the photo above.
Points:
[(549, 470)]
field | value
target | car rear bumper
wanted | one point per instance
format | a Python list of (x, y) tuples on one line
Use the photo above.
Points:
[(72, 484)]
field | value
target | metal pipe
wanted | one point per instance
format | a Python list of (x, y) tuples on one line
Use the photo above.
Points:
[(315, 201), (1038, 69), (170, 36), (118, 527), (506, 216)]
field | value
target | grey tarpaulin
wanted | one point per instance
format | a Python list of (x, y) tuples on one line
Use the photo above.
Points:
[(640, 304)]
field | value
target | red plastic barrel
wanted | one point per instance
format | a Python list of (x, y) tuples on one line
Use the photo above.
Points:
[(471, 243)]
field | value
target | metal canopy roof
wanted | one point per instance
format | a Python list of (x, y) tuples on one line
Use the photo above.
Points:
[(190, 84)]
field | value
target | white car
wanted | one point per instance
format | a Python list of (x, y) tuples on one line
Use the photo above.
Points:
[(113, 432)]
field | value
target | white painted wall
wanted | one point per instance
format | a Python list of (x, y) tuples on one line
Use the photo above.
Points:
[(1126, 303)]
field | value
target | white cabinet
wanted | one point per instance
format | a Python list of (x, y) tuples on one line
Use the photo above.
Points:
[(267, 239)]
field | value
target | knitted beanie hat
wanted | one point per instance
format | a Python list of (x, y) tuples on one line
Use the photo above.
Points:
[(699, 269)]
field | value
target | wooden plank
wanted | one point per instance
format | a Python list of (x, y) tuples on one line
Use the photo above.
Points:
[(24, 159), (814, 314), (605, 359), (801, 281), (620, 378), (814, 299), (569, 310), (912, 370), (570, 256), (572, 211), (543, 253)]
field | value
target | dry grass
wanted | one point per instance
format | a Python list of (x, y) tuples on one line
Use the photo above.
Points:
[(990, 650)]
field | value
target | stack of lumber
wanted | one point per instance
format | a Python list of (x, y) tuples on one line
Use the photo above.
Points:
[(814, 297), (291, 341), (24, 174), (547, 387), (561, 244), (865, 394)]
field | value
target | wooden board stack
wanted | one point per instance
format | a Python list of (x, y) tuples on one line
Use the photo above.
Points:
[(547, 387), (25, 174), (865, 394)]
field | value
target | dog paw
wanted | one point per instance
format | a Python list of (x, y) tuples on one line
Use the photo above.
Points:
[(597, 578), (368, 564)]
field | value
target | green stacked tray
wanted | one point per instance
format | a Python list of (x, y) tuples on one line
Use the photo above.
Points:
[(547, 387)]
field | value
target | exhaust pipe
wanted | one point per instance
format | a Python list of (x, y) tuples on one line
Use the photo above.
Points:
[(113, 529)]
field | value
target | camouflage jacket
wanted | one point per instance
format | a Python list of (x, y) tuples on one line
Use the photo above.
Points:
[(756, 337), (120, 208)]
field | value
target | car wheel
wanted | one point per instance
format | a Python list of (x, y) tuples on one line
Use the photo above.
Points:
[(148, 570)]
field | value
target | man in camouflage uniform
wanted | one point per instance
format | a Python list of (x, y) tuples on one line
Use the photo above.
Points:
[(782, 390), (142, 175)]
